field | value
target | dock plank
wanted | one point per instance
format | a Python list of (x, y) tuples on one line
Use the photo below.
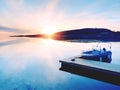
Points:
[(97, 64), (94, 69)]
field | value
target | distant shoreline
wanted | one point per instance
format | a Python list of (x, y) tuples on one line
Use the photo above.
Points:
[(86, 35)]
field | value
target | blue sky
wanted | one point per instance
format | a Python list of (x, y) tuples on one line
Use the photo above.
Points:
[(47, 16)]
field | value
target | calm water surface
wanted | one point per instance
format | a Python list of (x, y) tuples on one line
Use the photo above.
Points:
[(33, 64)]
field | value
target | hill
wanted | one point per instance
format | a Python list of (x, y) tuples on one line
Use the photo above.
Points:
[(89, 34)]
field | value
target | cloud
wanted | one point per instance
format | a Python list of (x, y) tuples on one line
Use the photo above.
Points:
[(32, 20), (8, 29), (14, 4), (35, 20)]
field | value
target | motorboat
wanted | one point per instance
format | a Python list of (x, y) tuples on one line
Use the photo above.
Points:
[(102, 55)]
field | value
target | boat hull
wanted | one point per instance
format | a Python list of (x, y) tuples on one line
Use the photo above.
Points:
[(103, 57)]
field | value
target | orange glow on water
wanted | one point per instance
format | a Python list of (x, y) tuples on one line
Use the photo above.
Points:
[(48, 41)]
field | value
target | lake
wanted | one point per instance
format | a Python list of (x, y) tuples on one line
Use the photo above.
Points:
[(33, 64)]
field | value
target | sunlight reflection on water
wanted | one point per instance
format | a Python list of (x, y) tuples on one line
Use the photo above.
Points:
[(34, 64)]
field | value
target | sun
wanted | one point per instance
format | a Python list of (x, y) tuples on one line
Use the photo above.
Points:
[(49, 30)]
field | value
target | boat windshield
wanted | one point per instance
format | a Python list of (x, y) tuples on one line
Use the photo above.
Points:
[(102, 47)]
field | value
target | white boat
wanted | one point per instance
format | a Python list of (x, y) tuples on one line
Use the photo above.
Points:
[(102, 55)]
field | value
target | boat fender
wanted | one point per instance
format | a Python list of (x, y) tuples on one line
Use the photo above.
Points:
[(100, 59), (109, 57)]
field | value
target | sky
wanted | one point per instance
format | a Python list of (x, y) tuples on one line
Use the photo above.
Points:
[(49, 16)]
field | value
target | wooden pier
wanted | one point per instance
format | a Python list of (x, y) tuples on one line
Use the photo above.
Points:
[(102, 71)]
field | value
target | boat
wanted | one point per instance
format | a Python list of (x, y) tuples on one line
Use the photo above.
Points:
[(101, 55)]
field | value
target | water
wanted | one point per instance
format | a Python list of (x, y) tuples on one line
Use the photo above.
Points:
[(33, 64)]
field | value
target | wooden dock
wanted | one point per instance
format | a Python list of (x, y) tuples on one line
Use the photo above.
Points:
[(102, 71)]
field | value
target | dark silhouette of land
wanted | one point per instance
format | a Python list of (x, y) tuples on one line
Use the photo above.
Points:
[(101, 34), (32, 36)]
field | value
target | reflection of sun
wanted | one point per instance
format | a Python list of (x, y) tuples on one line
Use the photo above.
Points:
[(48, 41)]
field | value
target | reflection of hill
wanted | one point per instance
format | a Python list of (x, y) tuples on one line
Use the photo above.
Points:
[(89, 34)]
